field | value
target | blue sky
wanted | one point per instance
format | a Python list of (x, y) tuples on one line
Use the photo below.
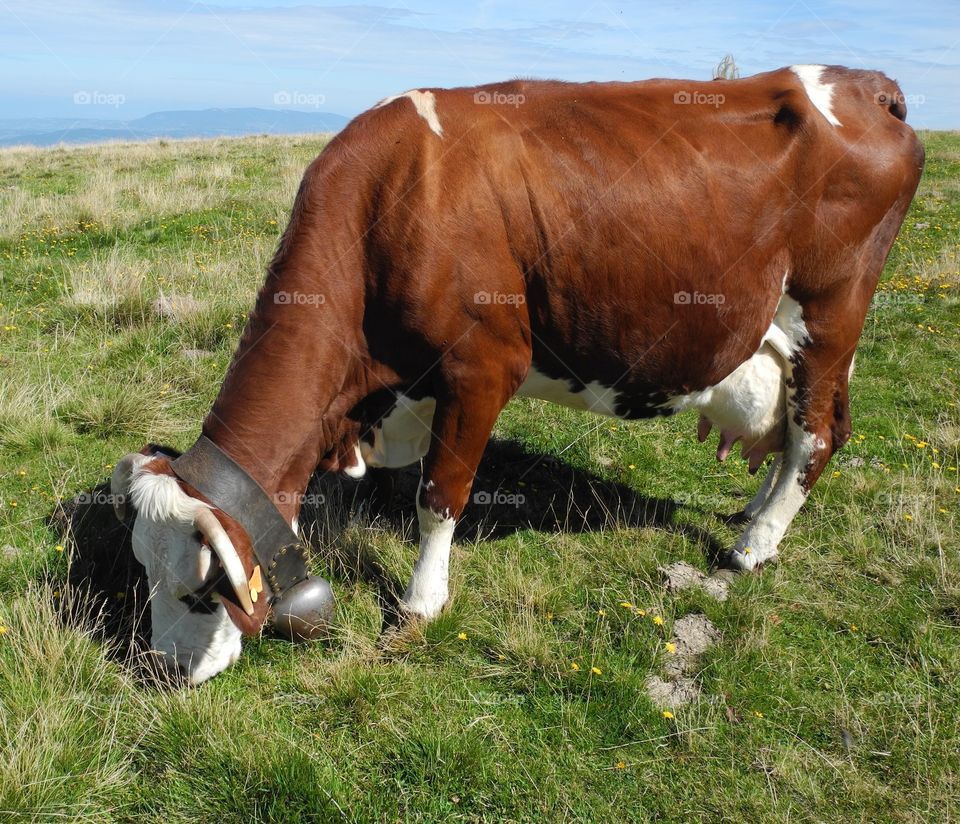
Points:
[(102, 58)]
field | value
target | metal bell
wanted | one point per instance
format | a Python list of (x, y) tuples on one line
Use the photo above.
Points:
[(305, 611)]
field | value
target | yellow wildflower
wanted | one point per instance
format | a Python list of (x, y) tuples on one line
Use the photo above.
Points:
[(626, 605), (908, 517), (657, 620), (670, 647), (575, 667), (621, 765), (596, 670), (667, 714), (462, 636), (758, 714)]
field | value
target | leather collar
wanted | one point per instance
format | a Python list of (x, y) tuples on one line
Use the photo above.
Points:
[(209, 470)]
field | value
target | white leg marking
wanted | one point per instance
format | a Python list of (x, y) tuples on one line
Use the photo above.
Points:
[(758, 500), (426, 105), (820, 93), (427, 592)]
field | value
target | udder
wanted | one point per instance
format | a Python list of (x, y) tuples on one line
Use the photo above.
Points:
[(748, 406)]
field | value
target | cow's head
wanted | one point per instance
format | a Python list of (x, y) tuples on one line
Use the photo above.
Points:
[(199, 564)]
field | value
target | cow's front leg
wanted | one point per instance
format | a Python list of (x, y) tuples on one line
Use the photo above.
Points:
[(464, 418), (428, 590), (818, 424)]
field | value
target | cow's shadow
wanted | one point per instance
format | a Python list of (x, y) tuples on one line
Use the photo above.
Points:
[(515, 489)]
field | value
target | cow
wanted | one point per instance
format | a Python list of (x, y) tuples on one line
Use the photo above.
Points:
[(635, 249)]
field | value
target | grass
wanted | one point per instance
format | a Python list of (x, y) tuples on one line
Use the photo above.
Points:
[(833, 694)]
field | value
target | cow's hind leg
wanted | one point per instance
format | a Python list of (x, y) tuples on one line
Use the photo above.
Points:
[(818, 424), (467, 408)]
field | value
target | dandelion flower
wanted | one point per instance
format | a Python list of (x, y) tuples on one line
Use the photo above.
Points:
[(3, 630), (596, 670), (670, 647), (667, 714), (59, 547), (908, 517), (462, 636), (575, 667), (626, 605), (601, 612), (758, 714), (621, 765), (657, 620)]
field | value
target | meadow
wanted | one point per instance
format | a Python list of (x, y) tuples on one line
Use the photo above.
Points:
[(831, 693)]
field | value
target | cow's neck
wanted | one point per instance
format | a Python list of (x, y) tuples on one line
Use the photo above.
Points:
[(277, 411)]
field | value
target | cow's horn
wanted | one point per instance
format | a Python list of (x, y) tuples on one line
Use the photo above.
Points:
[(217, 538), (120, 482)]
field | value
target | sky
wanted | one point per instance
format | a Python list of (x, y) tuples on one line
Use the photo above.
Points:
[(109, 59)]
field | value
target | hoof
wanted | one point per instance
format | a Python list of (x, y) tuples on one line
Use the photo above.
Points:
[(402, 627), (747, 560)]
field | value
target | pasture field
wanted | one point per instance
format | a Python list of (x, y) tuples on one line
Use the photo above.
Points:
[(832, 694)]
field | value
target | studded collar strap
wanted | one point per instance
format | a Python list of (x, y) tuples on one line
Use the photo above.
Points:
[(209, 470)]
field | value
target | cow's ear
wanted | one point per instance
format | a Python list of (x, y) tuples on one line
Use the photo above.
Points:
[(259, 591)]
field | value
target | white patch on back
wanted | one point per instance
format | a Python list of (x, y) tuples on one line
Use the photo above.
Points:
[(425, 104), (820, 93), (403, 436), (594, 397)]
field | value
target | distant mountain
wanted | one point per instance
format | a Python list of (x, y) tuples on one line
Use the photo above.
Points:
[(48, 131)]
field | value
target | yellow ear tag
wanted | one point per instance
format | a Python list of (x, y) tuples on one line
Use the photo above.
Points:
[(256, 584)]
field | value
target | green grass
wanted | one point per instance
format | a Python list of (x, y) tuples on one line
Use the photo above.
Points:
[(833, 695)]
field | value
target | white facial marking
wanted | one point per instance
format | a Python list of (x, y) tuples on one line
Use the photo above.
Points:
[(428, 589), (202, 644), (426, 105), (163, 541), (594, 397), (820, 93), (403, 436)]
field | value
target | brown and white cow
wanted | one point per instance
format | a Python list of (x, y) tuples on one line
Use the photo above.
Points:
[(634, 249)]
